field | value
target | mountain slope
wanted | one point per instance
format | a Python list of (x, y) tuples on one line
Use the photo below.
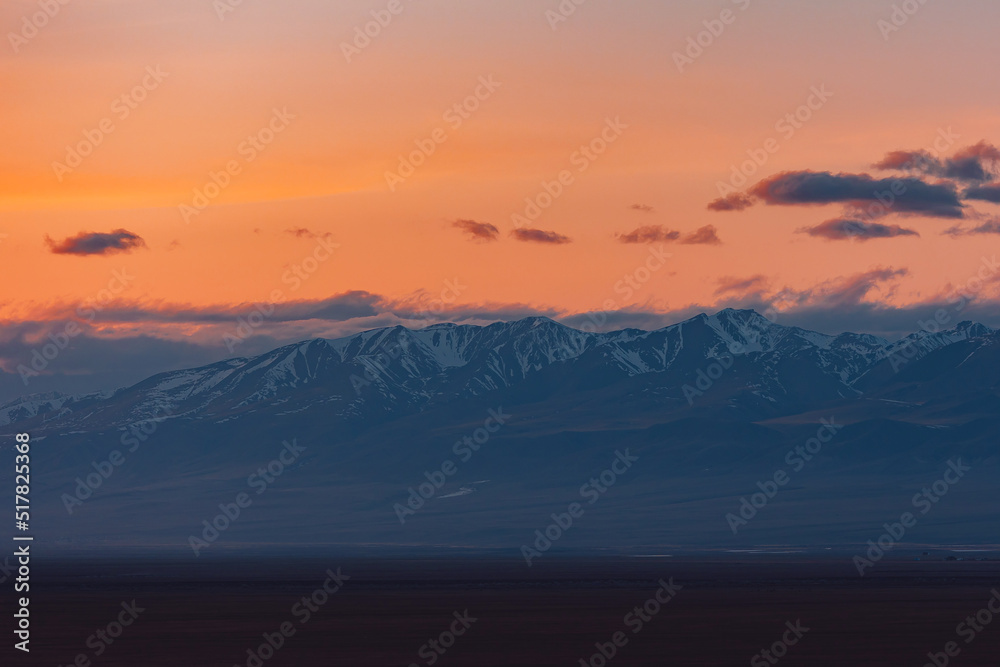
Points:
[(525, 413)]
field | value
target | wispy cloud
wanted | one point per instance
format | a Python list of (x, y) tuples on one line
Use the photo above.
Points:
[(480, 231), (707, 235), (306, 233)]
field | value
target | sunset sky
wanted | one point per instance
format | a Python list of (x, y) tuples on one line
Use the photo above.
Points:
[(119, 112)]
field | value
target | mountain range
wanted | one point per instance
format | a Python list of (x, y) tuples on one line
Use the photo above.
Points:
[(708, 407)]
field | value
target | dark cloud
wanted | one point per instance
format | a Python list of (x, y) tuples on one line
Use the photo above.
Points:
[(737, 201), (642, 208), (990, 193), (97, 243), (346, 311), (975, 164), (707, 235), (902, 195), (346, 306), (481, 231), (540, 236), (650, 234), (840, 229), (975, 168)]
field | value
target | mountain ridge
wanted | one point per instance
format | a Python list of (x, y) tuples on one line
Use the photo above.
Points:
[(405, 368), (710, 406)]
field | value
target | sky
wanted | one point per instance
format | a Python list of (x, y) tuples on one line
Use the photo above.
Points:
[(191, 181)]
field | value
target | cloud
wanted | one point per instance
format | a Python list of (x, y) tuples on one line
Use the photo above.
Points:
[(975, 164), (659, 234), (989, 227), (642, 208), (539, 236), (110, 353), (305, 233), (97, 243), (853, 289), (707, 235), (903, 195), (990, 193), (650, 234), (346, 306), (480, 231), (841, 229), (737, 201), (836, 293), (742, 286)]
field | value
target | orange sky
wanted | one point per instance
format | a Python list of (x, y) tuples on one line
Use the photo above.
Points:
[(325, 171)]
